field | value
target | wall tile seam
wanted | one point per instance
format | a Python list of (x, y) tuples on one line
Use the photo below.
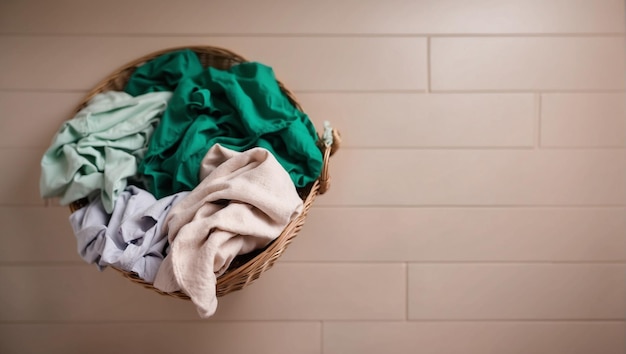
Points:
[(524, 320), (494, 321), (503, 148), (161, 321), (333, 321), (407, 294), (265, 35), (400, 206), (325, 322), (455, 207), (468, 205), (529, 92), (429, 73), (322, 333), (537, 121), (405, 263)]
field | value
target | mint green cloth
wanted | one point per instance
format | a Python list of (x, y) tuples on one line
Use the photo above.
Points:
[(100, 148), (239, 108)]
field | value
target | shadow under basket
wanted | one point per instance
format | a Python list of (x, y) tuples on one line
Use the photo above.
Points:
[(248, 267)]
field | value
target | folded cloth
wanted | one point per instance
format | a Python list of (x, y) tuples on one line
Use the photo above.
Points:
[(240, 108), (244, 201), (99, 148), (131, 238)]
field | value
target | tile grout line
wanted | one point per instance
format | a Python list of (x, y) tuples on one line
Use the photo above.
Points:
[(428, 66), (406, 299), (536, 121), (322, 325), (529, 91), (520, 147), (399, 206), (361, 262), (438, 147), (480, 147), (286, 321), (538, 108), (433, 147), (519, 320), (305, 91), (408, 263), (266, 35), (465, 206)]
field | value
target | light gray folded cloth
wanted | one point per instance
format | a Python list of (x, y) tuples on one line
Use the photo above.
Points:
[(131, 237)]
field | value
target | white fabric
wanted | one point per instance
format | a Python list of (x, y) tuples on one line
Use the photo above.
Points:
[(130, 238), (244, 201)]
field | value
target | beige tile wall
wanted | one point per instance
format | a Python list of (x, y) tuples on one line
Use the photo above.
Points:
[(478, 204)]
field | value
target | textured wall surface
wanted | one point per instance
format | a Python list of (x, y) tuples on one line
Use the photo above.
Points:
[(478, 204)]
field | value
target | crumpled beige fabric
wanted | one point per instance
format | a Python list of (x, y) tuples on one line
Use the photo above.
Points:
[(243, 202)]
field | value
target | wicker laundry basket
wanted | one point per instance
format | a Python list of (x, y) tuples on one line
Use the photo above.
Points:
[(246, 268)]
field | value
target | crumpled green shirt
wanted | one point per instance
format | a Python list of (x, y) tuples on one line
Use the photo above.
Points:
[(100, 148), (239, 108)]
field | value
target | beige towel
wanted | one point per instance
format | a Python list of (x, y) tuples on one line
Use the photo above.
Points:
[(244, 201)]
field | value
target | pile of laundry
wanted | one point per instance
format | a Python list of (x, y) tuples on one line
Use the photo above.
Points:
[(184, 170)]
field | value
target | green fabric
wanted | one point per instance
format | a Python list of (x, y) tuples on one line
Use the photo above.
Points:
[(239, 108), (99, 149)]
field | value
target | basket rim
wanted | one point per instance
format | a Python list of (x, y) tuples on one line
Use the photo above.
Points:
[(196, 49)]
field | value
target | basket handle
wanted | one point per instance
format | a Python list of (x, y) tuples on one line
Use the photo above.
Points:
[(332, 142)]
